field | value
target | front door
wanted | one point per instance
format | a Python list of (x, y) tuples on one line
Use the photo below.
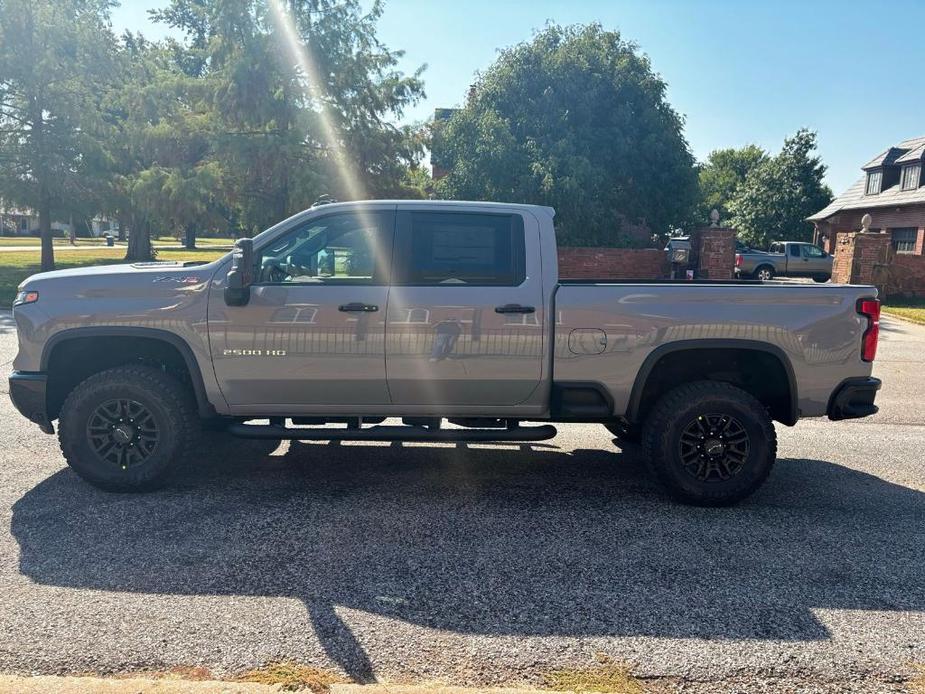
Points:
[(465, 324), (815, 261), (313, 333)]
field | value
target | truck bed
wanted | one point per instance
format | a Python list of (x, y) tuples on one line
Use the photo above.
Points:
[(816, 330)]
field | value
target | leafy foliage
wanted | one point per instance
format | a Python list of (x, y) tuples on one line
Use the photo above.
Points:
[(721, 176), (261, 108), (298, 96), (575, 119), (777, 195), (55, 69)]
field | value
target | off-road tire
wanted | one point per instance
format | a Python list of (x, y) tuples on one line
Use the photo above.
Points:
[(170, 406), (680, 409)]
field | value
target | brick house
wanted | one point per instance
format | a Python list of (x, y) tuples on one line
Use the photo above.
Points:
[(892, 191)]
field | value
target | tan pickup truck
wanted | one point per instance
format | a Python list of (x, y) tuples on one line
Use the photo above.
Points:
[(449, 316), (785, 259)]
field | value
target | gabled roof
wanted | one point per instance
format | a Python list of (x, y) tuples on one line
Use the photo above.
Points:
[(885, 158), (913, 155), (855, 199)]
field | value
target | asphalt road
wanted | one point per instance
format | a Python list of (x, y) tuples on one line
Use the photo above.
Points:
[(479, 564)]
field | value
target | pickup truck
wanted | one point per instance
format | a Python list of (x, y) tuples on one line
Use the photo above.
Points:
[(785, 259), (347, 314)]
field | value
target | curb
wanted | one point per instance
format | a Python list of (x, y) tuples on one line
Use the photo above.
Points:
[(43, 684), (12, 684)]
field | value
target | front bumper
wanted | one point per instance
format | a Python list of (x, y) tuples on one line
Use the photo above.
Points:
[(854, 398), (27, 391)]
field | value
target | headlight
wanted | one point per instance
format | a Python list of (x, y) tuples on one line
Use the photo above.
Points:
[(25, 297)]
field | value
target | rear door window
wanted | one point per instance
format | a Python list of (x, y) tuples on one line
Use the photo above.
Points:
[(461, 248)]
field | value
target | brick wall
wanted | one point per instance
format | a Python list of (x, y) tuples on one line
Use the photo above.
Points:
[(714, 253), (882, 218), (906, 275), (862, 259), (844, 258), (612, 263)]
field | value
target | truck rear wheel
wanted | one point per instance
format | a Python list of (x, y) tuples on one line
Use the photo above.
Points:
[(764, 273), (709, 443), (125, 429)]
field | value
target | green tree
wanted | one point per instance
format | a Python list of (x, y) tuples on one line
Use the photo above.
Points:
[(55, 71), (298, 96), (777, 195), (721, 176), (575, 119)]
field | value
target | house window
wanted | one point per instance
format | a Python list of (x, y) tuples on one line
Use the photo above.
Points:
[(911, 175), (904, 240), (873, 182)]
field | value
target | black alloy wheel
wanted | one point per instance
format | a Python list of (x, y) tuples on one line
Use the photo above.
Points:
[(123, 432), (714, 447)]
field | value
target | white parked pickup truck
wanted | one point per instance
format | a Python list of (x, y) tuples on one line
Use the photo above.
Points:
[(351, 313)]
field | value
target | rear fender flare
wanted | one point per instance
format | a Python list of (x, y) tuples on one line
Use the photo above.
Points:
[(635, 401)]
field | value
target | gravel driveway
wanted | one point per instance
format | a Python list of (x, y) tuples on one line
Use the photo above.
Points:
[(477, 564)]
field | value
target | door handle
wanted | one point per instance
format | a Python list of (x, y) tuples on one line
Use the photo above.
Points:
[(357, 307), (514, 308)]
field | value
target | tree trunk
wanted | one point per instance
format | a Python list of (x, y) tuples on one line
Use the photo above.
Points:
[(120, 220), (139, 242), (189, 239), (48, 249), (40, 171)]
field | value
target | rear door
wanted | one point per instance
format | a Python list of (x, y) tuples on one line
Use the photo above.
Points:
[(465, 323)]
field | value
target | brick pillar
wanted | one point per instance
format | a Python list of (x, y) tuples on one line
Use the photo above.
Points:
[(920, 241), (714, 249), (862, 259)]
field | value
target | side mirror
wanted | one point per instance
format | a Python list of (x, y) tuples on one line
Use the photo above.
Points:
[(241, 275)]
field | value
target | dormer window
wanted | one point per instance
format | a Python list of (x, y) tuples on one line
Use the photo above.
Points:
[(912, 174), (874, 179)]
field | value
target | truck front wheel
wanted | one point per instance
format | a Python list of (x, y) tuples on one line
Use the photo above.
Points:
[(709, 443), (125, 429)]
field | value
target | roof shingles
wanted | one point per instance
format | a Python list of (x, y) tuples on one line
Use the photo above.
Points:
[(855, 199)]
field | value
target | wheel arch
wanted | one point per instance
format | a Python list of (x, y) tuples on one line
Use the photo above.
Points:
[(647, 387), (151, 341)]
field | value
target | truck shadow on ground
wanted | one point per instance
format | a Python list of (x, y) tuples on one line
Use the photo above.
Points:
[(501, 540)]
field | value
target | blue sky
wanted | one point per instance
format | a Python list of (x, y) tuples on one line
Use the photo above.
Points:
[(740, 72)]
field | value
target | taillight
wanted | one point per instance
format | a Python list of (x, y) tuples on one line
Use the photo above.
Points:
[(738, 260), (870, 309)]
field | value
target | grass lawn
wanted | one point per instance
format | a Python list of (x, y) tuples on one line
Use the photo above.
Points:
[(15, 266), (200, 242), (910, 309), (34, 241)]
